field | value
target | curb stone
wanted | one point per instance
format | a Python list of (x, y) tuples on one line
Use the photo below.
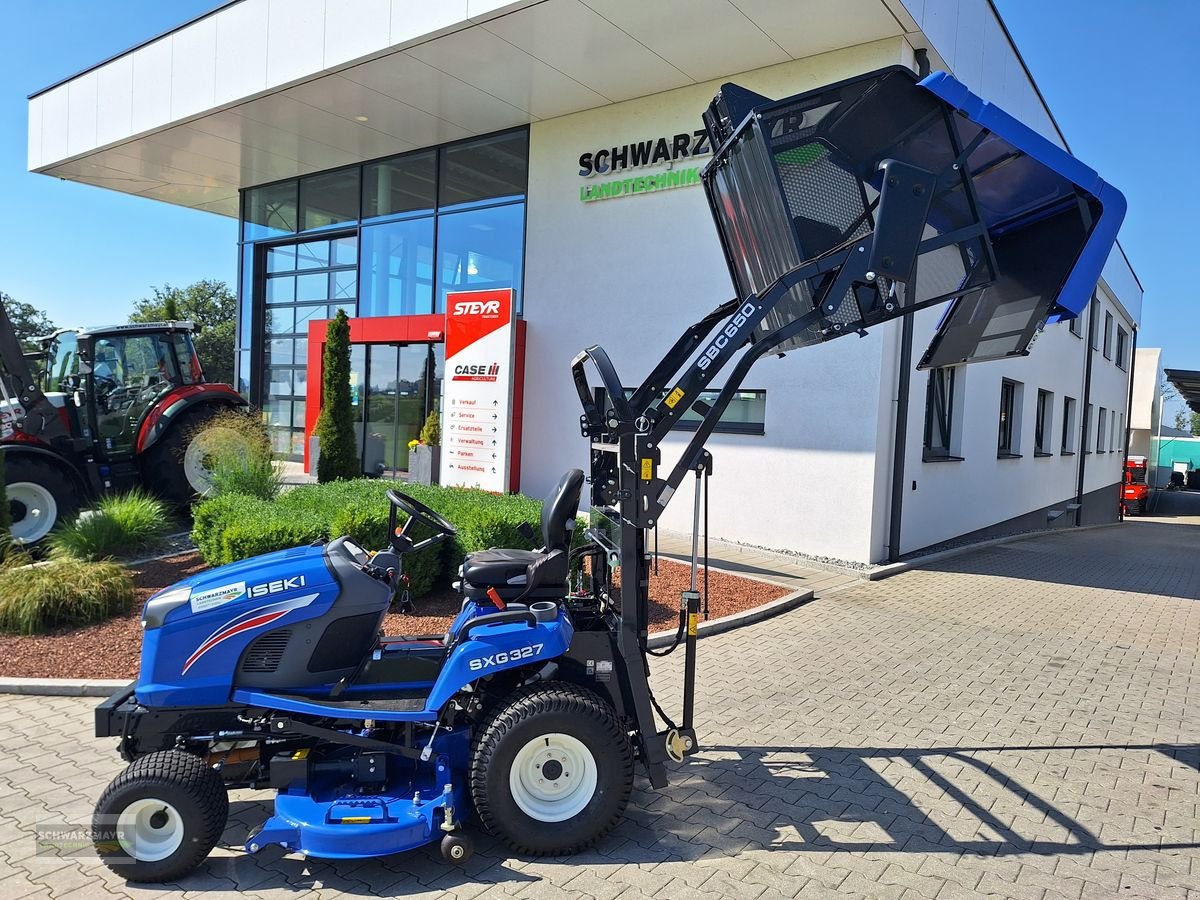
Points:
[(882, 572)]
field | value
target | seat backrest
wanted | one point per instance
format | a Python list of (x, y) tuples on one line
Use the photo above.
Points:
[(559, 509)]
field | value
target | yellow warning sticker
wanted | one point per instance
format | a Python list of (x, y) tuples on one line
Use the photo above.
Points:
[(355, 820), (647, 470), (301, 754), (693, 618), (674, 397)]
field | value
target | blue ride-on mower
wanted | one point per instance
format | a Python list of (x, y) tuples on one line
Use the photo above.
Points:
[(838, 210)]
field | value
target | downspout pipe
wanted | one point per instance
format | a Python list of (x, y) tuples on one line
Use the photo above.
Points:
[(1085, 418), (903, 385), (1128, 416)]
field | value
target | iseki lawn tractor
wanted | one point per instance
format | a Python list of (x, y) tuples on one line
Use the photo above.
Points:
[(838, 210)]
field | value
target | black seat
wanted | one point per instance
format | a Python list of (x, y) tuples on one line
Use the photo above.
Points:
[(507, 569)]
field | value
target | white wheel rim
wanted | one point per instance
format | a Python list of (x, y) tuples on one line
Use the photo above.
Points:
[(205, 444), (149, 829), (41, 511), (553, 777)]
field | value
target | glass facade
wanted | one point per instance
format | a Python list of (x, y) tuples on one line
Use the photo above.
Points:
[(386, 238)]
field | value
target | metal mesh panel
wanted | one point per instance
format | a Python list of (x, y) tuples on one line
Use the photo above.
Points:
[(826, 202), (265, 654)]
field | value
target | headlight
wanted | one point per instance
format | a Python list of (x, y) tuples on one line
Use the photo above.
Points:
[(162, 603)]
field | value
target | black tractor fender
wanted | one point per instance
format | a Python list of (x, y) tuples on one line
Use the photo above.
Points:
[(158, 420), (18, 449)]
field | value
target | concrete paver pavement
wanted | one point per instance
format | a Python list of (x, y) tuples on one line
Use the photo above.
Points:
[(1018, 721)]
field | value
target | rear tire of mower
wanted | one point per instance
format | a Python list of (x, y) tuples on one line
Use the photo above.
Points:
[(573, 729), (143, 843), (44, 490)]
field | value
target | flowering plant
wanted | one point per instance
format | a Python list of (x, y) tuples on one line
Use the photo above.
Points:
[(413, 444)]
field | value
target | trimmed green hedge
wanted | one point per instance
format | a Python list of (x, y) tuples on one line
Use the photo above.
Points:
[(232, 526)]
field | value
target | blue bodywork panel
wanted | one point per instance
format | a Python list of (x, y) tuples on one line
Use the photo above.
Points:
[(1041, 178), (332, 820), (190, 659)]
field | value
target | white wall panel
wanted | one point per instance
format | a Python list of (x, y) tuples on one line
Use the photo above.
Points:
[(193, 68), (81, 114), (151, 86), (54, 124), (114, 100), (241, 69), (295, 39), (34, 134), (354, 28)]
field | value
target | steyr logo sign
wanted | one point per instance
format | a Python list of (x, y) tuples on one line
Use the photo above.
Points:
[(477, 308)]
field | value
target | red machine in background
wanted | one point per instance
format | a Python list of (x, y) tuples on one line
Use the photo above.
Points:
[(1135, 493)]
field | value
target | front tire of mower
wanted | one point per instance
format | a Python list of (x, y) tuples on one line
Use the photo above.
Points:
[(161, 817), (521, 770)]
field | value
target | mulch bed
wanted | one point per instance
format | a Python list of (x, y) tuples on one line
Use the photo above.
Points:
[(112, 649)]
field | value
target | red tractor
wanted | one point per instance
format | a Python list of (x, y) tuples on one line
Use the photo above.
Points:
[(104, 409), (1135, 493)]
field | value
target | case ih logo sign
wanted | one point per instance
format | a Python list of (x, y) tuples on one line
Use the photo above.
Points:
[(480, 348)]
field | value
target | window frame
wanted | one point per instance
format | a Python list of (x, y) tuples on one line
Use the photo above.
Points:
[(1070, 410), (1008, 439), (1108, 334), (1101, 429), (708, 395), (1043, 423), (944, 423), (1122, 348)]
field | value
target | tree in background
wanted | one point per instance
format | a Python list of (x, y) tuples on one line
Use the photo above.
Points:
[(1182, 422), (212, 305), (1194, 424), (335, 425), (27, 320)]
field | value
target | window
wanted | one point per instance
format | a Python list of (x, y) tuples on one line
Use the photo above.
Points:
[(1009, 444), (940, 437), (1118, 432), (406, 184), (488, 169), (397, 268), (745, 414), (1068, 426), (1075, 323), (480, 249), (1043, 426), (1101, 432), (329, 198), (1085, 439), (1122, 344), (270, 211), (1108, 335), (1093, 320)]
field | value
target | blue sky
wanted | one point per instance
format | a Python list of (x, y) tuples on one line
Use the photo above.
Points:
[(1118, 76)]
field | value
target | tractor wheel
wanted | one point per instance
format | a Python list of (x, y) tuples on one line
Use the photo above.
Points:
[(159, 818), (551, 770), (179, 467), (40, 497)]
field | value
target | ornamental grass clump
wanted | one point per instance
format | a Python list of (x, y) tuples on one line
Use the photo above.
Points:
[(61, 593), (239, 457), (119, 525)]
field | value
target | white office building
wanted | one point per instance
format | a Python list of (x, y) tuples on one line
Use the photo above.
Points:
[(384, 153)]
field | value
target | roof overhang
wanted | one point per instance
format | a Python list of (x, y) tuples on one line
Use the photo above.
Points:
[(1187, 383), (261, 90)]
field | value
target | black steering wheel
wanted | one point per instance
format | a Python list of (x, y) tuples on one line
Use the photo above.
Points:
[(421, 514)]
